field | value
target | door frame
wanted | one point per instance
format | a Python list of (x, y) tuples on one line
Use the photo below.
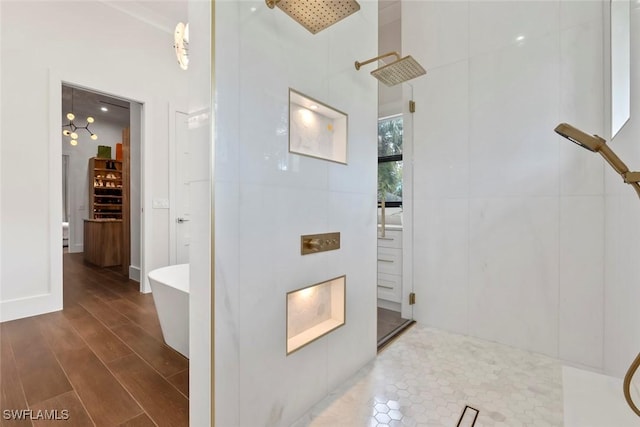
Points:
[(111, 88), (173, 159), (407, 310)]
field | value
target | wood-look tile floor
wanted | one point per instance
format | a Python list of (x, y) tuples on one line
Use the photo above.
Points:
[(388, 321), (102, 358)]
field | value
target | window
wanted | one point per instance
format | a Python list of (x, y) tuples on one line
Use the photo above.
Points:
[(390, 160)]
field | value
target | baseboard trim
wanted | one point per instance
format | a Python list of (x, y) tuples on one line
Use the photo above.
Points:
[(389, 305), (134, 273), (76, 248), (26, 307)]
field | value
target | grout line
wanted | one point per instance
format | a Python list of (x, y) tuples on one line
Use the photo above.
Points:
[(468, 257), (104, 363), (13, 360), (560, 198), (134, 417), (121, 298), (127, 345), (53, 353), (115, 377), (167, 378), (133, 351)]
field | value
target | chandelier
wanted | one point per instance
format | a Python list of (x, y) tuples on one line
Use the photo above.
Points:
[(70, 128)]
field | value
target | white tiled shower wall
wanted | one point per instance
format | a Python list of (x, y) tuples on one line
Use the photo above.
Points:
[(266, 198), (517, 239)]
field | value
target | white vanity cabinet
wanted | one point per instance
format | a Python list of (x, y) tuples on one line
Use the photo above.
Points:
[(390, 269)]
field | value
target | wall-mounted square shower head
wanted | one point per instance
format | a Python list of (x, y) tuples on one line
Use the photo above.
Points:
[(316, 15), (399, 71), (396, 72)]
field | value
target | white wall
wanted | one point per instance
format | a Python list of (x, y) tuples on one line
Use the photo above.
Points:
[(517, 240), (110, 52), (622, 234), (265, 198)]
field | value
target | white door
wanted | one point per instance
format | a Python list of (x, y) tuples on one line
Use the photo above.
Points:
[(182, 186)]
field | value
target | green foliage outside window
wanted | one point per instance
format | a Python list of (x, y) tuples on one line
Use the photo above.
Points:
[(390, 159)]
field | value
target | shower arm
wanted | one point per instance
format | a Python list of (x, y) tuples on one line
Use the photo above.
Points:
[(369, 61)]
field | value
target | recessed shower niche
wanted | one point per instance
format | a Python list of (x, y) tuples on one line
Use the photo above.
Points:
[(315, 311), (316, 129)]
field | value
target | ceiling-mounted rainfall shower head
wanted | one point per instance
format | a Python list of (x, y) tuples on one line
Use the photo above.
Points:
[(316, 15), (398, 71)]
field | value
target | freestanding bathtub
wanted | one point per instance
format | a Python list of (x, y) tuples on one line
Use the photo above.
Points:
[(170, 287)]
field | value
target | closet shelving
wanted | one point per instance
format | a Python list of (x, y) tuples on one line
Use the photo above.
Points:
[(105, 188)]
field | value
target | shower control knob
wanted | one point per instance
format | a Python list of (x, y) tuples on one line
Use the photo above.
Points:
[(314, 244)]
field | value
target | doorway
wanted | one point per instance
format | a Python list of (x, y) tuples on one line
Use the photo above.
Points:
[(395, 299), (395, 285), (101, 182), (103, 302)]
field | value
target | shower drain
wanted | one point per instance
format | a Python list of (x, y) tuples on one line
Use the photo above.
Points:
[(468, 417)]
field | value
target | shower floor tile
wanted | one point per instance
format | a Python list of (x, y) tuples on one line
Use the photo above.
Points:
[(427, 377)]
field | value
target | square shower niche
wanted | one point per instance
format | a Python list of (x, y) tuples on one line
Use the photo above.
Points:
[(316, 129), (314, 311)]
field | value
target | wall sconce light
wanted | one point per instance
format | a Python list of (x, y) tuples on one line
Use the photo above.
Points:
[(70, 128), (181, 44), (598, 145)]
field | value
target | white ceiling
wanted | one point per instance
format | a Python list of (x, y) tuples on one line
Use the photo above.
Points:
[(162, 14), (84, 103)]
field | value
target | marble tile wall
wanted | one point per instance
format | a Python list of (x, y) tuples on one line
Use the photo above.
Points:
[(266, 198), (514, 239)]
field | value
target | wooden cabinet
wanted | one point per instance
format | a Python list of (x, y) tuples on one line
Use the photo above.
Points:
[(390, 269), (106, 183), (103, 242)]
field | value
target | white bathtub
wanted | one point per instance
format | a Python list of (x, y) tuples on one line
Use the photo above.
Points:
[(170, 287)]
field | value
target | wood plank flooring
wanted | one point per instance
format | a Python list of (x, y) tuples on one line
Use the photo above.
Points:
[(388, 321), (102, 358)]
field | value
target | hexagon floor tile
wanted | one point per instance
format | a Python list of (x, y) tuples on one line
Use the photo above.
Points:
[(427, 377)]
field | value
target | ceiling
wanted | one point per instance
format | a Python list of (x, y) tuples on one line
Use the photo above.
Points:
[(163, 15), (84, 103)]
